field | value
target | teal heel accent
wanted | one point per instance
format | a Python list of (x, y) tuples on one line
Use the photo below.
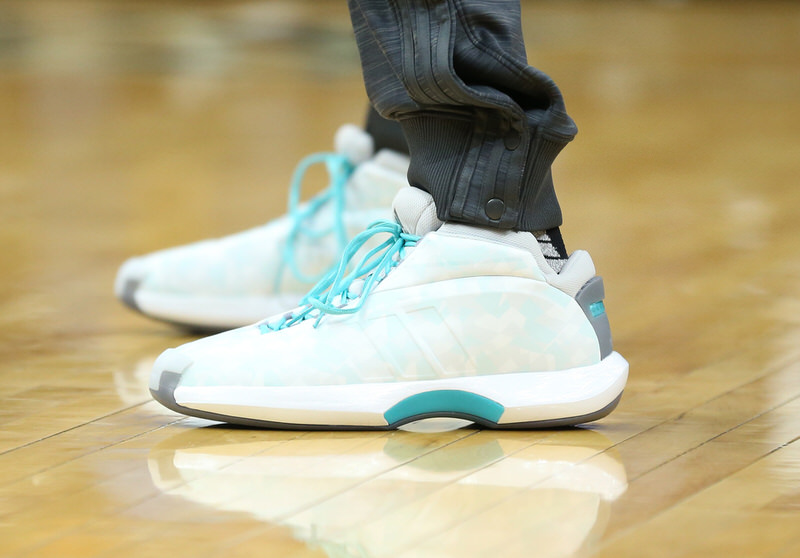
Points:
[(597, 309), (445, 401)]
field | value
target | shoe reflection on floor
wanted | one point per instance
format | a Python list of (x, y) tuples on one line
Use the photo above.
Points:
[(418, 492)]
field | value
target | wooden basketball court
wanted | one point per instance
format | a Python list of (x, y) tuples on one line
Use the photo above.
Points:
[(132, 126)]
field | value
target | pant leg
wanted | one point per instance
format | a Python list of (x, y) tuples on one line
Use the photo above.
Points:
[(483, 127)]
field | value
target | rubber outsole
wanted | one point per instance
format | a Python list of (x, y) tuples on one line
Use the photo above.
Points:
[(168, 381)]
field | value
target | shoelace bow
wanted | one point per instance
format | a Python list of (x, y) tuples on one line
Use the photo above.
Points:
[(334, 292), (339, 170)]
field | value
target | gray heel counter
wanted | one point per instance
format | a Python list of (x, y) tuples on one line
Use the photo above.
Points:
[(590, 298)]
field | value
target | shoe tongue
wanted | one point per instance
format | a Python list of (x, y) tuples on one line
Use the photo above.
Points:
[(415, 211), (354, 143)]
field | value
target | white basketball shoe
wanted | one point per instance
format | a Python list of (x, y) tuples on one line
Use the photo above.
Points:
[(440, 320), (236, 280)]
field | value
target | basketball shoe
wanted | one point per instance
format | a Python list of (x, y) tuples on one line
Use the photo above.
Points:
[(233, 281), (438, 320)]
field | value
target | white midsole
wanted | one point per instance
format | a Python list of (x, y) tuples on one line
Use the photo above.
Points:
[(526, 396), (213, 312)]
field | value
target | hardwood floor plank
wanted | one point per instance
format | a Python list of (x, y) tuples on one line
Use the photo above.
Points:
[(727, 517)]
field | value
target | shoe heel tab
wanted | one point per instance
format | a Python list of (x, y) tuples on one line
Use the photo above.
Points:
[(580, 263), (590, 299), (577, 270)]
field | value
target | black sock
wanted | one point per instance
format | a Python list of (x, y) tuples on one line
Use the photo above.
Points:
[(387, 134)]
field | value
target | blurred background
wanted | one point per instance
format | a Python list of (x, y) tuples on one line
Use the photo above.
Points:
[(130, 126)]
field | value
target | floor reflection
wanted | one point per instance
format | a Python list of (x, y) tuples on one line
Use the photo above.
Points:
[(131, 381), (455, 493)]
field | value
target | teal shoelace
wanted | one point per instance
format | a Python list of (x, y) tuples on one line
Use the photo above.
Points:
[(339, 170), (335, 291)]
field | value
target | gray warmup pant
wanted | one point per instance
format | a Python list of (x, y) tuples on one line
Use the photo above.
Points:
[(483, 127)]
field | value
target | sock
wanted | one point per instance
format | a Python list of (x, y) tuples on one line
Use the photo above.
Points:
[(387, 134), (553, 248)]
